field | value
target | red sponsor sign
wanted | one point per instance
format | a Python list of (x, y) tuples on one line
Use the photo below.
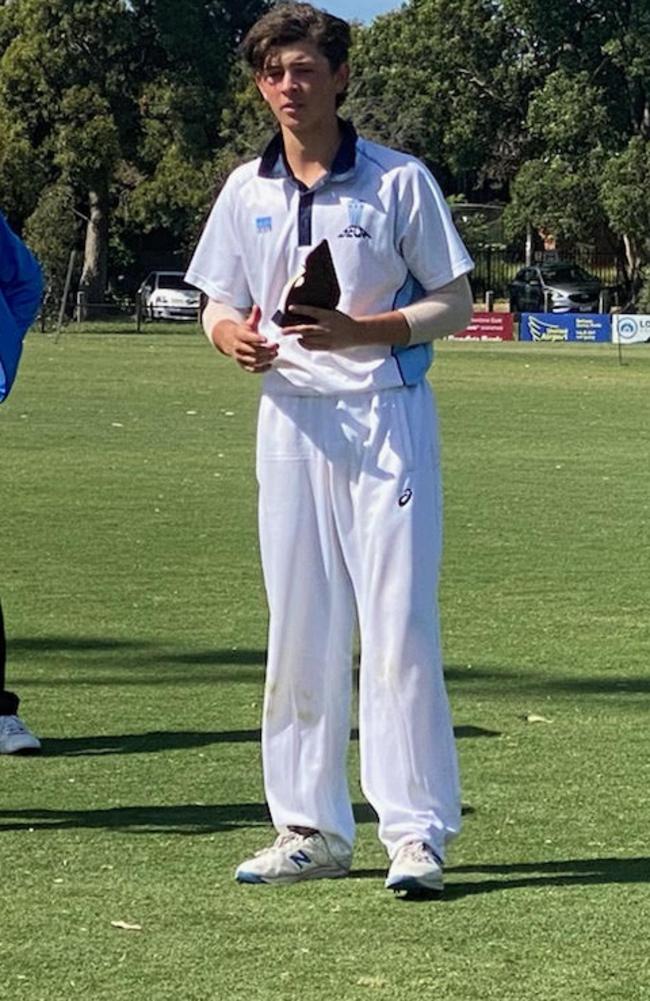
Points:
[(488, 327)]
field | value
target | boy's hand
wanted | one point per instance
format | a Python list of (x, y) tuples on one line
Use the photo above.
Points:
[(251, 351), (331, 329)]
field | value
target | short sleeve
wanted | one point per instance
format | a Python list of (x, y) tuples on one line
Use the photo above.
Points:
[(426, 236), (216, 267)]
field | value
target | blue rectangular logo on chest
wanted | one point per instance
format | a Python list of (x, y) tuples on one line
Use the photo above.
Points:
[(263, 224)]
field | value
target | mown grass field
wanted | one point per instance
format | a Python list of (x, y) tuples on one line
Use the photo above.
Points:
[(134, 603)]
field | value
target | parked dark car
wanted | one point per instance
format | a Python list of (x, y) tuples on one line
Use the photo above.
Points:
[(570, 289)]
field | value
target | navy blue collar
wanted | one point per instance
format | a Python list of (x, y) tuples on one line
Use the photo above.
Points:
[(274, 162)]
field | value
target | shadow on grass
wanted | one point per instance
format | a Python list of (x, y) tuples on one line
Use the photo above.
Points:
[(139, 662), (568, 872), (162, 740), (143, 743), (494, 677), (63, 644), (529, 875), (157, 741), (184, 818), (125, 654)]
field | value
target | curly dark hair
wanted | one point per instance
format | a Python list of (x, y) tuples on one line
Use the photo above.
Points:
[(297, 22)]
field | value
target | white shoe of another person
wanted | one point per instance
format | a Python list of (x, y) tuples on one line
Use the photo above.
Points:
[(16, 738), (416, 869), (294, 857)]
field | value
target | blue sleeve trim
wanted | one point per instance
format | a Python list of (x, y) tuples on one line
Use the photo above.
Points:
[(413, 360)]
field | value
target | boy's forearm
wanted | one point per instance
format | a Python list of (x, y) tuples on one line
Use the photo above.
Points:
[(383, 328), (217, 321), (440, 313)]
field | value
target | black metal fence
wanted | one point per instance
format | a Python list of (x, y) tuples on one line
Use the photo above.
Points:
[(496, 268)]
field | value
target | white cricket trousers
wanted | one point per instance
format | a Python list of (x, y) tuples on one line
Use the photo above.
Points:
[(350, 530)]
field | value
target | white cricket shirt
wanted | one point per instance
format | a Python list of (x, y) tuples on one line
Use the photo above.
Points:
[(392, 240)]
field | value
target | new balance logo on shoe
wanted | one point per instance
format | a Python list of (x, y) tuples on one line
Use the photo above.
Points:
[(294, 857), (300, 858), (355, 232)]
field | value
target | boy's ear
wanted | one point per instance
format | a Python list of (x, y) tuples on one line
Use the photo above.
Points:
[(342, 76), (258, 83)]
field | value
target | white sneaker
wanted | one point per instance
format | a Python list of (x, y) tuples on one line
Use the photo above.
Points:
[(293, 857), (415, 869), (15, 738)]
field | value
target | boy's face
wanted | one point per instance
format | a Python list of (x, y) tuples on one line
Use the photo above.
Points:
[(300, 87)]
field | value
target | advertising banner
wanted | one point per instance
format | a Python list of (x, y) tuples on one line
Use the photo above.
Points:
[(488, 327), (587, 328), (631, 328)]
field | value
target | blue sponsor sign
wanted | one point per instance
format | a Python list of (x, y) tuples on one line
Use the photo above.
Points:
[(587, 328)]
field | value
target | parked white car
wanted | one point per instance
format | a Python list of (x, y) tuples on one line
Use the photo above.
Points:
[(165, 295)]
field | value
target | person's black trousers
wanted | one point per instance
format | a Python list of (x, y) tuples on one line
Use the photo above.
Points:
[(8, 701)]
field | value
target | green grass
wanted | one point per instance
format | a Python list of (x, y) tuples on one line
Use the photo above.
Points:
[(134, 602)]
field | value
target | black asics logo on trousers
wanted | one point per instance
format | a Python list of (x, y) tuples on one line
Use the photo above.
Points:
[(405, 497)]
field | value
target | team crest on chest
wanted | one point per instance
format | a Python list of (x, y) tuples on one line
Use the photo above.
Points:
[(263, 224), (354, 230)]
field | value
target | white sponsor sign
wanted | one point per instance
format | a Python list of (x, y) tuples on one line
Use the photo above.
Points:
[(632, 328)]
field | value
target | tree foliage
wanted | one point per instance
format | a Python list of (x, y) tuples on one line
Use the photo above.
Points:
[(530, 100), (138, 110), (625, 193), (588, 121), (434, 79), (118, 103), (52, 230)]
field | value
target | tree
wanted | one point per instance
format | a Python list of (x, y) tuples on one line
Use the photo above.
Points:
[(64, 84), (536, 99), (625, 192), (104, 97), (556, 191), (180, 106), (22, 175), (439, 78), (588, 121), (52, 231)]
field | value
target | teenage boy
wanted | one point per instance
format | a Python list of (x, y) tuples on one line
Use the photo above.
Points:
[(347, 459), (21, 286)]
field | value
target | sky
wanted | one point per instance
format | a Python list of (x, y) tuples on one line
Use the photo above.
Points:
[(358, 10)]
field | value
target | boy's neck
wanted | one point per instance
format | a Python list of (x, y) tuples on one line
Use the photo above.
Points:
[(311, 154)]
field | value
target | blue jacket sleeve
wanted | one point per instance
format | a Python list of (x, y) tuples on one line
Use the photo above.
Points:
[(21, 287)]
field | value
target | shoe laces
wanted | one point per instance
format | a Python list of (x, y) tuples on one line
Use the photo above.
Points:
[(420, 851), (283, 841)]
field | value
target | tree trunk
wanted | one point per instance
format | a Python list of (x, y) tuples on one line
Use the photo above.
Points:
[(633, 261), (95, 267), (645, 122)]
